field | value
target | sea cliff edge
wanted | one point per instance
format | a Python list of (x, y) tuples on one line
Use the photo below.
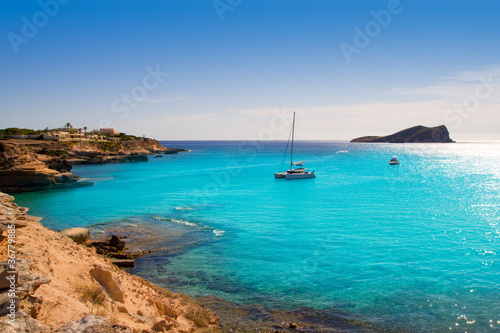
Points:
[(35, 165)]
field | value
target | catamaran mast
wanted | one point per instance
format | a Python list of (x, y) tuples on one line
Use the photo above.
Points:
[(293, 133)]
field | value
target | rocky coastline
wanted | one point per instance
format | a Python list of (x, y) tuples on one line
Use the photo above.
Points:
[(35, 165), (416, 134), (58, 285), (73, 284)]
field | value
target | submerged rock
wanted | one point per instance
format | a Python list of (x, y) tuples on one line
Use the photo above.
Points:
[(125, 263), (113, 248)]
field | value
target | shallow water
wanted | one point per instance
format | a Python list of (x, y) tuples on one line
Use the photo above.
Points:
[(412, 246)]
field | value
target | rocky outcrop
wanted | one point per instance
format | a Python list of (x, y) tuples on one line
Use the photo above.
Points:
[(93, 324), (78, 235), (35, 165), (113, 248), (65, 287), (22, 324), (20, 280), (23, 169), (109, 282), (417, 134)]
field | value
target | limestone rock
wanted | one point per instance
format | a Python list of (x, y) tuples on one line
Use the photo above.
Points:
[(162, 326), (16, 223), (7, 303), (26, 282), (123, 262), (110, 283), (46, 165), (4, 275), (20, 180), (166, 310), (22, 324), (78, 235), (117, 243), (122, 309), (92, 324), (5, 198), (60, 165)]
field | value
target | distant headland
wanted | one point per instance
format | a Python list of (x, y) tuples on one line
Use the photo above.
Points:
[(32, 160), (416, 134)]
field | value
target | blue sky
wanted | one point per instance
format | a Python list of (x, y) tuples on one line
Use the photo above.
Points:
[(422, 62)]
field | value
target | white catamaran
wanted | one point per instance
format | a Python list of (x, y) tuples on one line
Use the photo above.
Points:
[(299, 172)]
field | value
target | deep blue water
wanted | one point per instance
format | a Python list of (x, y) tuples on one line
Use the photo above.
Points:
[(414, 245)]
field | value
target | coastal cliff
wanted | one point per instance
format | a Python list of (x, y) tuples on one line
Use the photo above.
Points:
[(416, 134), (33, 165), (65, 287)]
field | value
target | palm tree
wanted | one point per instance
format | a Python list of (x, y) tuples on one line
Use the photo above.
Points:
[(68, 126), (85, 130)]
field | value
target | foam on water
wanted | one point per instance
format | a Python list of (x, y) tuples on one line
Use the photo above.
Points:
[(184, 208), (218, 233)]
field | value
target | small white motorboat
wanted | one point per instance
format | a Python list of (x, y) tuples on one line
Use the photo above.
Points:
[(394, 161)]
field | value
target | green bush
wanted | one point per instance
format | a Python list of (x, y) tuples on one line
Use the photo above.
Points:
[(53, 152), (69, 144), (18, 131), (108, 145)]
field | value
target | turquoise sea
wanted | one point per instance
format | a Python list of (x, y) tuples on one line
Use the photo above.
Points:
[(413, 247)]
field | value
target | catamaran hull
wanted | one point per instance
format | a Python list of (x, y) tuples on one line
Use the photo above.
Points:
[(279, 175), (291, 176)]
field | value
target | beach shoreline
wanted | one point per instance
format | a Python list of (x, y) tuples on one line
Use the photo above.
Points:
[(59, 263), (61, 284), (233, 316)]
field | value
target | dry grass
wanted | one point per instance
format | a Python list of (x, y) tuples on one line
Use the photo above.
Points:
[(91, 293), (100, 311), (199, 316), (185, 300)]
